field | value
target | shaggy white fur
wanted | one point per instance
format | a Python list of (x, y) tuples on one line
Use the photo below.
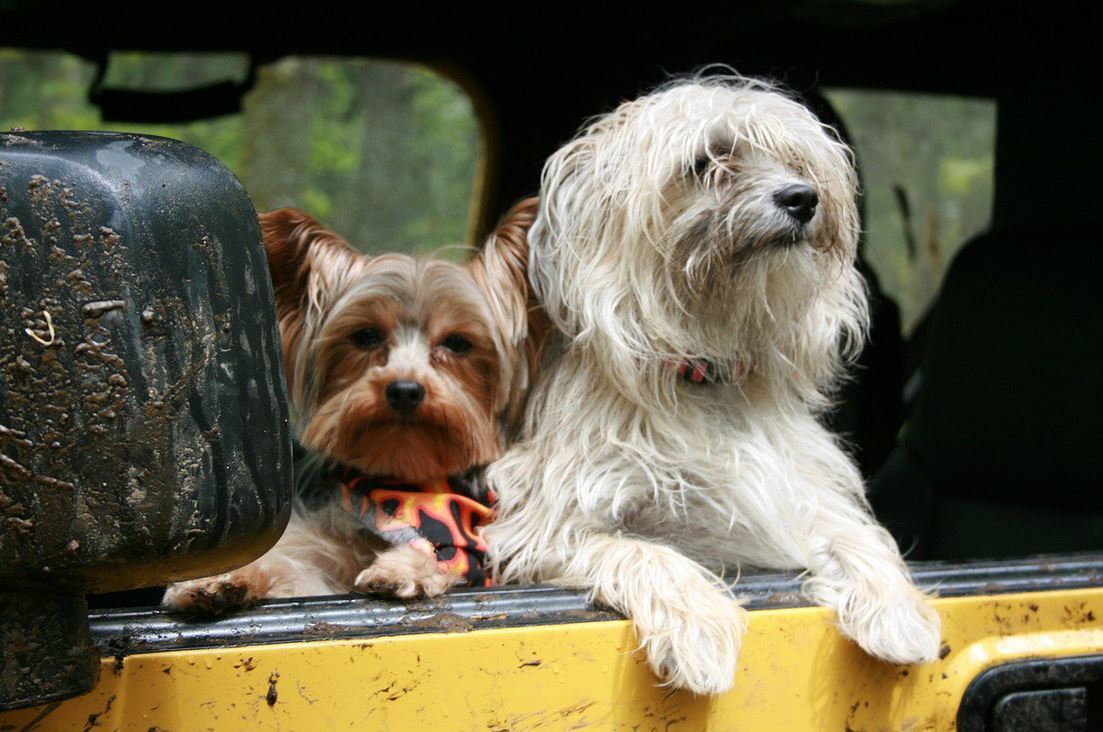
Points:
[(713, 219)]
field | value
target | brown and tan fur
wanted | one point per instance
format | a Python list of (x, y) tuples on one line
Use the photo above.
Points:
[(351, 325)]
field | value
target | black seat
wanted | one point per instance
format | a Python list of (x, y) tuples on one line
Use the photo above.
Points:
[(1003, 451), (869, 407)]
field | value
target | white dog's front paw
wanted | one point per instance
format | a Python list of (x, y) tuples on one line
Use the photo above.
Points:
[(905, 631), (696, 647)]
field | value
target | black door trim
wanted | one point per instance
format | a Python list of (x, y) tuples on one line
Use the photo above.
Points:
[(149, 630)]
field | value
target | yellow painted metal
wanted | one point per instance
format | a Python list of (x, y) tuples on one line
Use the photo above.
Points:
[(796, 673)]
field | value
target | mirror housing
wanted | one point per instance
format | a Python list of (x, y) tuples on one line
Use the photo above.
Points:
[(144, 433)]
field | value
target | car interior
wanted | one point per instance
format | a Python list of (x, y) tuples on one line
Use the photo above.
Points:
[(976, 409)]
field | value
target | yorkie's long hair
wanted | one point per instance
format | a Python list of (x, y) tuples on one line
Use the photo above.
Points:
[(410, 368)]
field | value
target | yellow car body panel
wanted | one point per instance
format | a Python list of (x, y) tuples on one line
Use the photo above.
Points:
[(795, 673)]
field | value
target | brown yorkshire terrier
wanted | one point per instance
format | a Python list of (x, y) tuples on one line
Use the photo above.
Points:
[(405, 376)]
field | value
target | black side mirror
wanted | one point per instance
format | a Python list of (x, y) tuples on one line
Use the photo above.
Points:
[(144, 432)]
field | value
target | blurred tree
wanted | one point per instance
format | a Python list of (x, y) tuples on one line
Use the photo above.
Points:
[(380, 204), (931, 157), (275, 149), (383, 153)]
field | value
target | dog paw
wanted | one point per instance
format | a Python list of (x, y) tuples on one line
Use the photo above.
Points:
[(216, 595), (404, 571), (905, 631), (698, 648)]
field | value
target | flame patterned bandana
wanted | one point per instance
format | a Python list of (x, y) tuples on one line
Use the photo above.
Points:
[(441, 517)]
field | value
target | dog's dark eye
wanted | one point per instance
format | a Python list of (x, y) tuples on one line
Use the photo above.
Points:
[(456, 344), (367, 338), (701, 165)]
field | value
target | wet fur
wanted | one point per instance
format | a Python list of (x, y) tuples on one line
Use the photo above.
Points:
[(658, 239)]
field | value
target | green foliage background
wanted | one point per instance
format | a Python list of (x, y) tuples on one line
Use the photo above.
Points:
[(383, 153), (939, 152), (386, 154)]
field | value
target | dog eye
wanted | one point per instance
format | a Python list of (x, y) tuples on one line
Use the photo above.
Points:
[(701, 164), (367, 338), (457, 344)]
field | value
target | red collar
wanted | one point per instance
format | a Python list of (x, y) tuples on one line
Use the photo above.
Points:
[(702, 372)]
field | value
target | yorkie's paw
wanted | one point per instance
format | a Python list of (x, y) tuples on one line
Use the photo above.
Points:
[(216, 595), (404, 571)]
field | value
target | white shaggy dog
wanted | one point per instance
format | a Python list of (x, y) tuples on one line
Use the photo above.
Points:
[(695, 248)]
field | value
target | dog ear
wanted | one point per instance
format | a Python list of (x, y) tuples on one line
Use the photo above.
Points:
[(501, 271), (307, 263), (299, 246)]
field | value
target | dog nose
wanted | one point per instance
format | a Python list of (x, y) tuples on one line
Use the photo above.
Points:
[(799, 201), (404, 396)]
